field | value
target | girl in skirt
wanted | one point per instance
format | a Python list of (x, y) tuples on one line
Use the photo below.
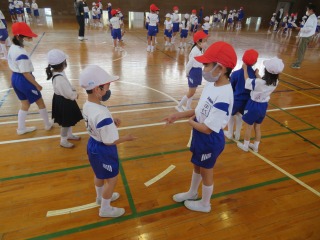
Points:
[(65, 110)]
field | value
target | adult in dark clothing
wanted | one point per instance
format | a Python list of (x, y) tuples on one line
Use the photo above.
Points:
[(78, 7), (279, 17)]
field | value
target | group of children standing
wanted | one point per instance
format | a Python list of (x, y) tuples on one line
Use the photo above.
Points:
[(17, 12)]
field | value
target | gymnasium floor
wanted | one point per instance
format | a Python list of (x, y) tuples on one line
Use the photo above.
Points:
[(270, 195)]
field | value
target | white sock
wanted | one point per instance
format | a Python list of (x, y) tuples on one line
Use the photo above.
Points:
[(69, 131), (238, 122), (189, 101), (246, 143), (180, 44), (99, 192), (4, 49), (206, 195), (63, 139), (22, 115), (256, 144), (105, 204), (19, 19), (230, 125), (195, 182), (183, 100), (184, 44), (44, 114)]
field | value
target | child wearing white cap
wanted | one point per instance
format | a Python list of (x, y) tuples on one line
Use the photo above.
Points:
[(184, 29), (206, 25), (168, 25), (104, 137), (65, 110), (256, 108)]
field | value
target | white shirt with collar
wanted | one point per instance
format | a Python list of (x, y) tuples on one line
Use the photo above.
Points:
[(309, 27)]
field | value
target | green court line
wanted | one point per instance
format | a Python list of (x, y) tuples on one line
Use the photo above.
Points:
[(166, 208), (292, 115), (295, 132), (129, 159), (127, 189)]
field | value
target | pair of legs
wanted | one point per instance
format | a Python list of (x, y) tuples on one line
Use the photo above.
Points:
[(151, 43), (199, 174), (187, 98), (247, 134), (302, 48), (105, 195), (66, 134), (236, 118), (22, 115), (183, 42)]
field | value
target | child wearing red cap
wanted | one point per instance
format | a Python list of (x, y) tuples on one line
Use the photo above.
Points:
[(115, 25), (153, 22), (208, 120), (22, 80), (104, 137), (194, 23), (240, 94), (175, 21), (256, 108), (193, 70)]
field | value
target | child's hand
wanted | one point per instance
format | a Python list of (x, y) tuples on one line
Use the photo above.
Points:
[(257, 73), (117, 121), (130, 137), (244, 66), (192, 118), (171, 118)]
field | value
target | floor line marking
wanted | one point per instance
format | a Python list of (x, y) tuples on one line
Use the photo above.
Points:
[(159, 176), (158, 108), (71, 210), (82, 133), (298, 91), (284, 172), (300, 79)]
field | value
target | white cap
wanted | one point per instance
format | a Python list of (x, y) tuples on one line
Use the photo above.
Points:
[(168, 15), (274, 65), (56, 56), (186, 16), (206, 18), (274, 14), (230, 11), (109, 4), (94, 3), (93, 76)]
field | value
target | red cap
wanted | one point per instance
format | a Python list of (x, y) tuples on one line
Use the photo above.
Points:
[(119, 10), (219, 52), (21, 28), (114, 12), (250, 57), (175, 8), (194, 11), (199, 35), (154, 8)]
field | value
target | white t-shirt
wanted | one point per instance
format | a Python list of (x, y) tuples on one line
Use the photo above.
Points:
[(182, 25), (86, 9), (153, 19), (27, 4), (62, 86), (215, 106), (19, 60), (175, 17), (192, 63), (34, 6), (1, 15), (194, 20), (115, 22), (168, 25), (94, 11), (260, 92), (99, 123), (206, 26)]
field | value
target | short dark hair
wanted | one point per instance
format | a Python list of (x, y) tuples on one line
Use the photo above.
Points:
[(270, 78), (312, 7)]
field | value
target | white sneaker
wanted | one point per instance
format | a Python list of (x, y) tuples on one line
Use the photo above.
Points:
[(149, 48), (179, 109), (74, 137), (227, 134), (241, 145), (197, 206), (47, 128), (181, 197), (251, 145), (236, 136), (26, 130), (66, 144), (113, 212), (114, 197)]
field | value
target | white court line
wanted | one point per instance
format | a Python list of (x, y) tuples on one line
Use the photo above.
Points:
[(115, 112), (159, 176), (82, 133), (71, 210), (157, 108), (300, 79)]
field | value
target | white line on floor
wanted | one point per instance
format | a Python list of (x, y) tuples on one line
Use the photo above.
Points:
[(159, 176), (71, 210), (300, 79)]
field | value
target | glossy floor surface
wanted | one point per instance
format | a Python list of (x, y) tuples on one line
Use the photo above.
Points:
[(270, 195)]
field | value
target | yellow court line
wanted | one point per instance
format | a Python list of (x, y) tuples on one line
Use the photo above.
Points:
[(300, 79), (300, 92), (159, 176), (71, 210)]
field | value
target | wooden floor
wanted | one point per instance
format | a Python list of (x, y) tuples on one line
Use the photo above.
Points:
[(252, 198)]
